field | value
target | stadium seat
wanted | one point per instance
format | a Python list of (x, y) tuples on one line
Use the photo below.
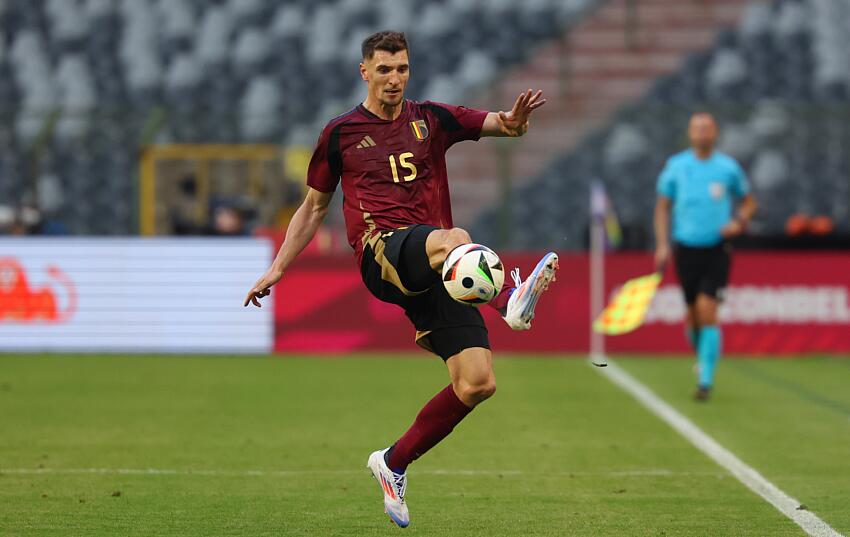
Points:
[(762, 79), (254, 58)]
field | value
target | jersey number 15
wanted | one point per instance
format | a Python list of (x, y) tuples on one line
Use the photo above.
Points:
[(403, 162)]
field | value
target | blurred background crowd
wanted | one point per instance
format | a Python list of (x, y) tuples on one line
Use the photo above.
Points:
[(197, 117)]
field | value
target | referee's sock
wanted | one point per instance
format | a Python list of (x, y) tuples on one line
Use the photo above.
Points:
[(708, 350)]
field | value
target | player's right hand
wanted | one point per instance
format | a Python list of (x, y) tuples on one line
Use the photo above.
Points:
[(263, 287)]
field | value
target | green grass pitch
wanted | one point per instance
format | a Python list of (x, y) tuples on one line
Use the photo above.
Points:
[(185, 446)]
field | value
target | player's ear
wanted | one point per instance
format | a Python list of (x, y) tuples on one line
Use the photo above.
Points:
[(363, 72)]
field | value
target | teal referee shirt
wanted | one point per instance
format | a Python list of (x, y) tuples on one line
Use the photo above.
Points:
[(703, 193)]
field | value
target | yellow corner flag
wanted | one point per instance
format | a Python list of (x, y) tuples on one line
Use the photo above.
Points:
[(628, 309)]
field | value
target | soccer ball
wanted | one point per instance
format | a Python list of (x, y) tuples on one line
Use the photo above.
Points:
[(473, 274)]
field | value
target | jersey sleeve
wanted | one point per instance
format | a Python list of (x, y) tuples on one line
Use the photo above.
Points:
[(325, 167), (666, 185), (740, 183), (456, 123)]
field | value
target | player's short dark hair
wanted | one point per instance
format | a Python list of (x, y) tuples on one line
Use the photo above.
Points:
[(387, 40)]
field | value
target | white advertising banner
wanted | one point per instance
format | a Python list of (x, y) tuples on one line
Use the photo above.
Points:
[(133, 295)]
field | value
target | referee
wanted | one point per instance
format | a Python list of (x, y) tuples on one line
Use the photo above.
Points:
[(701, 185)]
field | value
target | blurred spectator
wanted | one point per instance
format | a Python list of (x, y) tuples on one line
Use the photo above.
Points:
[(228, 221), (7, 219), (183, 209), (23, 220), (219, 216), (29, 220)]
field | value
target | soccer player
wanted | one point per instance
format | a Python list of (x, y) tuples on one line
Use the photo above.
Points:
[(701, 185), (389, 155)]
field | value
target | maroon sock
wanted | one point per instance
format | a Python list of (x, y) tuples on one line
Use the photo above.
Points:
[(433, 423), (500, 303)]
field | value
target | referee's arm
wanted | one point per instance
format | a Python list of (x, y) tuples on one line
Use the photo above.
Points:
[(739, 224), (661, 221)]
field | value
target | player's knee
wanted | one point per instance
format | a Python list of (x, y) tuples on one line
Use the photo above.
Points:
[(456, 237), (476, 391), (441, 242), (488, 389)]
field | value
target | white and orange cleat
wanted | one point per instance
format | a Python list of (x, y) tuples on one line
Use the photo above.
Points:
[(393, 486), (520, 310)]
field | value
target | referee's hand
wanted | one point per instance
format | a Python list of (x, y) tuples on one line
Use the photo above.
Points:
[(263, 287), (662, 255), (732, 229)]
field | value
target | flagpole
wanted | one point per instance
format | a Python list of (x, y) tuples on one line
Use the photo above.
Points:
[(598, 206)]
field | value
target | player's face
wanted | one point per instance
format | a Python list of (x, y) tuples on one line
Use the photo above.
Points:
[(386, 74), (702, 132)]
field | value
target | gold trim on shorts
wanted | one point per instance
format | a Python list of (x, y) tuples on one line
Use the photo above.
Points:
[(388, 272)]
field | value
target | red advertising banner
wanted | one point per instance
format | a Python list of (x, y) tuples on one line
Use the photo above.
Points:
[(776, 303)]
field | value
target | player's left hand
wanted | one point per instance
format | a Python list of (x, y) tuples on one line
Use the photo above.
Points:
[(515, 122), (733, 228), (263, 287)]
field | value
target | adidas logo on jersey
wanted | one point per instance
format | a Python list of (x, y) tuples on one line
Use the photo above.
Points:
[(367, 141)]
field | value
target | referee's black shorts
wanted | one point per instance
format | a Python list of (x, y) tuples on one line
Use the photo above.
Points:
[(703, 270), (395, 269)]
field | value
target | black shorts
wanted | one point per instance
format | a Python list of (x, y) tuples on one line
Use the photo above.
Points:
[(703, 270), (395, 268)]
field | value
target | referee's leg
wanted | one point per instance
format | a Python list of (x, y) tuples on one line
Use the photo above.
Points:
[(708, 343), (692, 325)]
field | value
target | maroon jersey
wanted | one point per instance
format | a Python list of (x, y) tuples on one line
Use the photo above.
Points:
[(393, 172)]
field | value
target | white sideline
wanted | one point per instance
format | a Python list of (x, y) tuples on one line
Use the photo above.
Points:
[(747, 475), (647, 472)]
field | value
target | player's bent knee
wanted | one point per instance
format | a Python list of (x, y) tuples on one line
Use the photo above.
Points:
[(472, 393), (441, 242), (455, 237), (458, 236), (487, 390)]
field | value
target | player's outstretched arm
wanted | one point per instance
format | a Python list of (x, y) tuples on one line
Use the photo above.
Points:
[(303, 226), (515, 122)]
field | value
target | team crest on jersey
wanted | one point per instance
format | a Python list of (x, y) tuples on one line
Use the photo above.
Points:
[(717, 190), (420, 129)]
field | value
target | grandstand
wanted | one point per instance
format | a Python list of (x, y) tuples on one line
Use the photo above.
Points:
[(778, 82), (87, 84), (84, 85)]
